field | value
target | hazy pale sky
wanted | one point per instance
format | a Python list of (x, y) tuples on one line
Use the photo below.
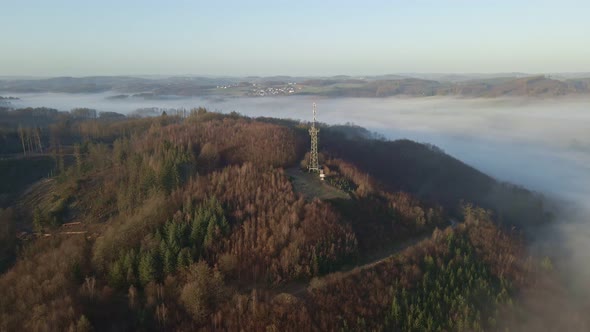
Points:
[(108, 37)]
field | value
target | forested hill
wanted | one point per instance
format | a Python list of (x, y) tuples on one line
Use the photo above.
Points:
[(432, 175), (172, 223)]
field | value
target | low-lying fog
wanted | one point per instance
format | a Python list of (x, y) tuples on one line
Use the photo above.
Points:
[(541, 144)]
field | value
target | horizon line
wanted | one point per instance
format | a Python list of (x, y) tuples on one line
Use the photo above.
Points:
[(298, 76)]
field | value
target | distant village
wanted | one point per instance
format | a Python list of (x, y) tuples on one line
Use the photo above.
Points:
[(261, 90)]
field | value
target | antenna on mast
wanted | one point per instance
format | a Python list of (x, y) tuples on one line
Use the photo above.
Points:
[(313, 154)]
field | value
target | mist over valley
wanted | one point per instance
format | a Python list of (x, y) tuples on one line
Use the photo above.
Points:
[(542, 144)]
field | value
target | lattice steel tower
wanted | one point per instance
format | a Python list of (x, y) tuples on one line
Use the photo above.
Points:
[(313, 154)]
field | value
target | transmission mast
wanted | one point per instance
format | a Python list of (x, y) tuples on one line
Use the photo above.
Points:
[(313, 154)]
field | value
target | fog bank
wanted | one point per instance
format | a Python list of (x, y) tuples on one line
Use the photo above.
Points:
[(543, 145)]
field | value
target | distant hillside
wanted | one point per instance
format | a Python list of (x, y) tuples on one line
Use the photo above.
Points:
[(527, 86), (173, 85), (537, 86), (490, 86)]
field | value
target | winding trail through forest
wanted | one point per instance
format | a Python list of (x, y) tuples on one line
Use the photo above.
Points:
[(298, 289)]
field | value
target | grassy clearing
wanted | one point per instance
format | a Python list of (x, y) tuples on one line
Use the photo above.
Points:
[(310, 186)]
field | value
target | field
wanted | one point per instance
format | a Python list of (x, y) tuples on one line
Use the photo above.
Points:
[(310, 186)]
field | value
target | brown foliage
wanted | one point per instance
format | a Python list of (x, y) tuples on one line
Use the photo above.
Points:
[(236, 140), (379, 217), (39, 292), (203, 291), (276, 236), (261, 311), (495, 247), (365, 293)]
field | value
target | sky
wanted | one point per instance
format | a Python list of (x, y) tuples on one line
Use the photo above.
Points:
[(317, 38)]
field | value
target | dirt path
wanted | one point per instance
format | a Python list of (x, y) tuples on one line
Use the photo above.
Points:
[(299, 288)]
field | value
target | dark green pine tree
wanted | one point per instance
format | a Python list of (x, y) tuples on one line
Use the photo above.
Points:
[(147, 268)]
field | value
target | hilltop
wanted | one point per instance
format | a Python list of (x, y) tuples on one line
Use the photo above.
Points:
[(199, 222)]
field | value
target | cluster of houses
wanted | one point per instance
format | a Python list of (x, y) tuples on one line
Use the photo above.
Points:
[(271, 91), (268, 89), (262, 91)]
